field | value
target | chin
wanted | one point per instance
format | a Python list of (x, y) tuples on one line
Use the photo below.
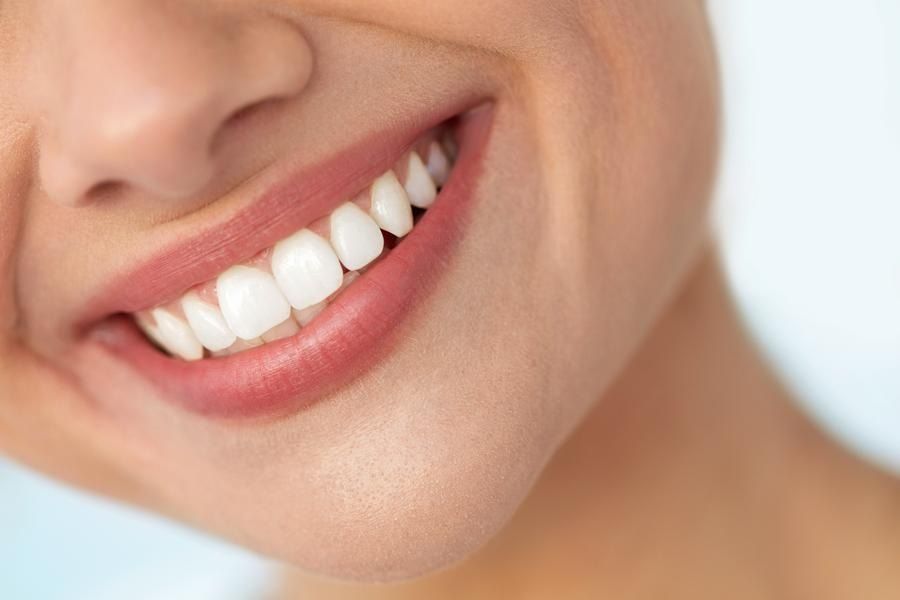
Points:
[(396, 510)]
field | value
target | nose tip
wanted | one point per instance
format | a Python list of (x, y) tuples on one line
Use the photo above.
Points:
[(147, 116)]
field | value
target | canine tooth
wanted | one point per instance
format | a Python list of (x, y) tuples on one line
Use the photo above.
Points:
[(356, 238), (419, 184), (149, 329), (176, 336), (306, 315), (207, 322), (306, 268), (390, 205), (438, 164), (250, 301), (285, 330)]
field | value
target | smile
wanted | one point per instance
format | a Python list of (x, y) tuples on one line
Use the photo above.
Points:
[(316, 307), (286, 286)]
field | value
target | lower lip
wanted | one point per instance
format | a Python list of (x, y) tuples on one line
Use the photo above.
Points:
[(356, 331)]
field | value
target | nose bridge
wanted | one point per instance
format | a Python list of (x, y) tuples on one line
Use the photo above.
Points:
[(144, 87)]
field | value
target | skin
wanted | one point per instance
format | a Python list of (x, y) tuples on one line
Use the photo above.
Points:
[(613, 433)]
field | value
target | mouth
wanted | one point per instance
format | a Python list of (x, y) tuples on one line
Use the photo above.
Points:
[(311, 297), (286, 286)]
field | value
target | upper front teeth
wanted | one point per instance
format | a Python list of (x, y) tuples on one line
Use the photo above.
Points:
[(306, 269), (251, 301), (272, 299)]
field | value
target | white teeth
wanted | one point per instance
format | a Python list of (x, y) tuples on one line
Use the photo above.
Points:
[(256, 306), (175, 335), (355, 236), (239, 345), (285, 330), (438, 164), (250, 301), (207, 322), (151, 330), (390, 206), (306, 269), (349, 277), (419, 184), (306, 315)]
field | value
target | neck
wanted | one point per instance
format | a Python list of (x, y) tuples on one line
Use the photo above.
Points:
[(694, 476)]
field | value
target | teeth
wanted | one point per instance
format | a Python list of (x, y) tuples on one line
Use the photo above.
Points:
[(251, 301), (149, 329), (306, 315), (306, 268), (305, 272), (438, 164), (355, 236), (349, 277), (175, 336), (208, 323), (240, 345), (450, 146), (390, 205), (279, 332), (419, 184)]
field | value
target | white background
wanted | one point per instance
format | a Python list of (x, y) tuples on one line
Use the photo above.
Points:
[(810, 201), (809, 212)]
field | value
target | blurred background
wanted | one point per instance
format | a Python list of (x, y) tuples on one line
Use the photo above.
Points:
[(809, 220)]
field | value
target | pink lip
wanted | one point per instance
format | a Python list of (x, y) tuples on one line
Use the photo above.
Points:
[(354, 332)]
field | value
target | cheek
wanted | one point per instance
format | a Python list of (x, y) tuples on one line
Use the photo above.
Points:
[(522, 30), (629, 152)]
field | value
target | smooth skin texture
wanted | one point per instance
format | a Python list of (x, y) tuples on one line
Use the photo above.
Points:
[(575, 412)]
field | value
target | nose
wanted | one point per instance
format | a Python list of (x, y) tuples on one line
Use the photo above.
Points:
[(137, 92)]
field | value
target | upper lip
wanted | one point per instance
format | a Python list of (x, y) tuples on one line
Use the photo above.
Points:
[(278, 209)]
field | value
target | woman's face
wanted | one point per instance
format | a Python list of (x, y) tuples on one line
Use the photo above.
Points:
[(148, 148)]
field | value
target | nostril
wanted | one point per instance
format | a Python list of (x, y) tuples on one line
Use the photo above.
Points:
[(246, 112), (240, 119), (164, 120), (103, 190), (239, 115)]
